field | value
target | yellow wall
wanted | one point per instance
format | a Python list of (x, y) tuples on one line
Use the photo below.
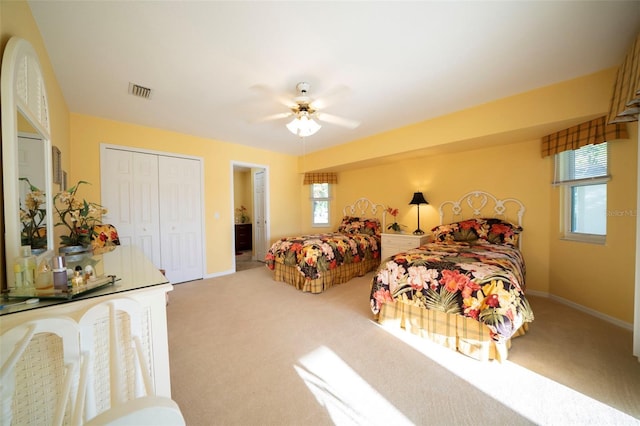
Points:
[(242, 192), (16, 20), (505, 171), (525, 116), (89, 132), (601, 277)]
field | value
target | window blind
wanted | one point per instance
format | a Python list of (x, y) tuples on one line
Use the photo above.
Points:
[(582, 165)]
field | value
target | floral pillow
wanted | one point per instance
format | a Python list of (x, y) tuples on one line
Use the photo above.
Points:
[(359, 225), (495, 231), (104, 238)]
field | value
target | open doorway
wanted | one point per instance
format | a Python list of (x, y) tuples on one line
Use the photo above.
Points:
[(250, 219)]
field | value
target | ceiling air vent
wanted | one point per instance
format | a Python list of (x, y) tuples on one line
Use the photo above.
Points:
[(140, 91)]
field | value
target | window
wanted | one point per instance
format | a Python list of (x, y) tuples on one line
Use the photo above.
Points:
[(320, 204), (583, 174)]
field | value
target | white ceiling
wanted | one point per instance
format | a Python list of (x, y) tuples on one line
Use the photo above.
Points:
[(403, 62)]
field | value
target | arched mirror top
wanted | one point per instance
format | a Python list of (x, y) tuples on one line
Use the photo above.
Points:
[(24, 78), (24, 106)]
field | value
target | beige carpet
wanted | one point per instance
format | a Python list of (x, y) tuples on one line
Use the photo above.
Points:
[(244, 262), (246, 350)]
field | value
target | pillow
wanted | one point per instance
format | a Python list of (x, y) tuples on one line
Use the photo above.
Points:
[(104, 238), (466, 230), (502, 232), (493, 230), (359, 225)]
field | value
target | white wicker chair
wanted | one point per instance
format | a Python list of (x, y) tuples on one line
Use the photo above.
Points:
[(116, 385), (39, 364)]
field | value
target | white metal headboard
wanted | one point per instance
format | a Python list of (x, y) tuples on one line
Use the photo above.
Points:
[(364, 207), (483, 204)]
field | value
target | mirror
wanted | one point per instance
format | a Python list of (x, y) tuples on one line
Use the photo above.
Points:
[(26, 146), (31, 184)]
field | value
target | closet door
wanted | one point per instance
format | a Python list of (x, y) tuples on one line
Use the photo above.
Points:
[(181, 218), (130, 193)]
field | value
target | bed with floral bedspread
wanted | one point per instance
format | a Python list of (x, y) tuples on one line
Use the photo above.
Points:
[(464, 290), (313, 263)]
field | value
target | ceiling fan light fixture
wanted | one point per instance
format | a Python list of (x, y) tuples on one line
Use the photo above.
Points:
[(303, 126)]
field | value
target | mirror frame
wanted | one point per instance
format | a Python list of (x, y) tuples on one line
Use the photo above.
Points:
[(22, 90)]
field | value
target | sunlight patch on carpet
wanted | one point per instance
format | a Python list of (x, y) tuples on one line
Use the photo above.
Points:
[(539, 399), (347, 397)]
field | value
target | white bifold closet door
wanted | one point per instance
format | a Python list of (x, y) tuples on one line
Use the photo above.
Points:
[(154, 202), (180, 218)]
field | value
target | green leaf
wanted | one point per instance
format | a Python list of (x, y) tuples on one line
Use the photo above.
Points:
[(491, 317), (442, 300)]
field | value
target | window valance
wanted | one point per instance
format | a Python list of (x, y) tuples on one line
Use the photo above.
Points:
[(310, 178), (625, 102), (591, 132)]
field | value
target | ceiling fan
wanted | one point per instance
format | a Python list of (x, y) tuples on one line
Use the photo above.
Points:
[(304, 110)]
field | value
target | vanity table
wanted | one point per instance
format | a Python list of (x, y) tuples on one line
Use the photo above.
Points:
[(140, 289)]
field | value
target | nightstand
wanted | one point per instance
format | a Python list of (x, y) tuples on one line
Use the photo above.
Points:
[(243, 236), (395, 243)]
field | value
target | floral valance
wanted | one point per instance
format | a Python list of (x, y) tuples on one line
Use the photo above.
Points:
[(310, 178), (625, 102), (591, 132)]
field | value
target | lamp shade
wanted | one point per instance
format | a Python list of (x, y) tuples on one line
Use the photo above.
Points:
[(418, 198), (303, 126)]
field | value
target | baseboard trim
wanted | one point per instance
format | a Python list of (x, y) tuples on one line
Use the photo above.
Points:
[(574, 305), (220, 274)]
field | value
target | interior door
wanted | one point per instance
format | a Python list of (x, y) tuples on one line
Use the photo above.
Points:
[(259, 233), (130, 193), (181, 218)]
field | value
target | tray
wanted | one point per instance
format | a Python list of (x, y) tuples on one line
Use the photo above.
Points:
[(70, 293)]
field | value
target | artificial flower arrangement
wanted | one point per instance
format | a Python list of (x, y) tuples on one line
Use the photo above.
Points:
[(32, 217), (241, 212), (395, 226), (77, 215)]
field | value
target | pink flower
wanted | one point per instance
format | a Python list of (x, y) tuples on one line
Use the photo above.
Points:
[(499, 228), (381, 296), (469, 289), (453, 280), (473, 313), (492, 300), (468, 224)]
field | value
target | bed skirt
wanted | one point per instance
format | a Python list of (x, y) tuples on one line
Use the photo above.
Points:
[(341, 274), (465, 335)]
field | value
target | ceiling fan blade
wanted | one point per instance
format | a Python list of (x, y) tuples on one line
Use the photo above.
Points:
[(272, 117), (339, 121), (279, 97), (330, 97)]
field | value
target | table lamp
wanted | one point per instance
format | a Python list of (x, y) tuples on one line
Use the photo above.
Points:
[(418, 198)]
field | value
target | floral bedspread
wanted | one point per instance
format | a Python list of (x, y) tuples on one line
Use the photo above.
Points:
[(318, 253), (482, 281)]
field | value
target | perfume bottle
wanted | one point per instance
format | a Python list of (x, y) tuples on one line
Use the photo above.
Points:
[(18, 270), (44, 274), (77, 280), (24, 268), (60, 281)]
